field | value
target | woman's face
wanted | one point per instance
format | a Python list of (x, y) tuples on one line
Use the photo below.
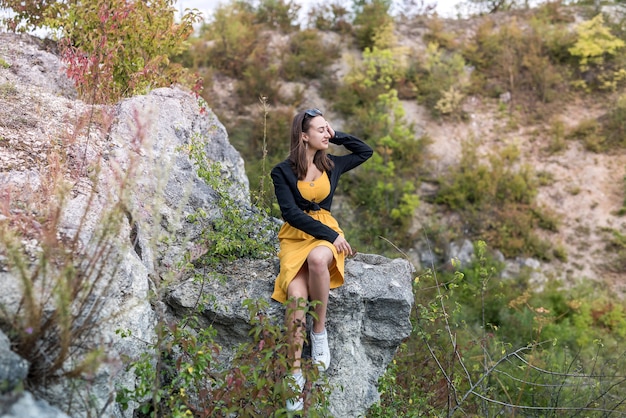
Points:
[(317, 135)]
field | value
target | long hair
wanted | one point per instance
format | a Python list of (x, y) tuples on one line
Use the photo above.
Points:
[(297, 152)]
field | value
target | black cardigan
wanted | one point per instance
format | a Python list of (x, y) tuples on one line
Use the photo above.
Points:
[(293, 206)]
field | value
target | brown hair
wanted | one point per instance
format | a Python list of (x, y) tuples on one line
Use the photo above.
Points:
[(297, 154)]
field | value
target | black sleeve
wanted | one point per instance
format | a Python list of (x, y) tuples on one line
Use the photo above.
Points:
[(359, 151), (295, 216)]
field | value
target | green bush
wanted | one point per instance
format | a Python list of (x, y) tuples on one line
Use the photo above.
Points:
[(308, 56), (518, 59), (496, 201), (441, 79), (180, 376), (370, 17), (384, 189), (589, 131), (238, 232), (331, 16), (278, 14), (115, 48), (482, 343), (228, 39), (595, 49)]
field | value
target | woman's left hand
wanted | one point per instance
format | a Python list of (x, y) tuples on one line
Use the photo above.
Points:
[(330, 130)]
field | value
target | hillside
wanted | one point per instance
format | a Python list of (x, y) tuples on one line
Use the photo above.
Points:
[(583, 189)]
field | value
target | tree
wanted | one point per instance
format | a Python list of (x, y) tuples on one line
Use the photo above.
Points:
[(113, 48), (595, 47)]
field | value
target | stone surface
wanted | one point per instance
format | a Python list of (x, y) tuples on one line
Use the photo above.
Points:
[(13, 368), (368, 317), (26, 406)]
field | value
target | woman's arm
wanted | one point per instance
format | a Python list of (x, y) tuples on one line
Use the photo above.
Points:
[(295, 216), (359, 150)]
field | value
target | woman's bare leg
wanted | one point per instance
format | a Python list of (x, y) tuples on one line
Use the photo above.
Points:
[(318, 261), (295, 320)]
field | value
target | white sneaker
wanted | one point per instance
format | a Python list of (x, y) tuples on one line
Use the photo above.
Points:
[(320, 351), (296, 383)]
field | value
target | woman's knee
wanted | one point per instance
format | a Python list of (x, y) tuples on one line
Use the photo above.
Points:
[(320, 258)]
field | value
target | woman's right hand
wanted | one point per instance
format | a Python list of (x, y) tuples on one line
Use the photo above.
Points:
[(342, 245)]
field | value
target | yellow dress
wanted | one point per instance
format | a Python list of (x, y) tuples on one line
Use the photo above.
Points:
[(295, 244)]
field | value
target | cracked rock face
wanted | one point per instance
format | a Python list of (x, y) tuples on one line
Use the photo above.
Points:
[(368, 317)]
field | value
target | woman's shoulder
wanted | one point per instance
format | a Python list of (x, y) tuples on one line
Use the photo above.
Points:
[(284, 166)]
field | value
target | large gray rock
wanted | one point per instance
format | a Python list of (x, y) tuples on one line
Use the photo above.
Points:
[(368, 317), (24, 405), (13, 368)]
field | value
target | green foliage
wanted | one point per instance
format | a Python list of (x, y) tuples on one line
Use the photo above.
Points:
[(589, 131), (228, 39), (496, 201), (556, 137), (370, 17), (4, 64), (385, 187), (31, 14), (438, 35), (237, 231), (441, 80), (482, 343), (330, 16), (308, 56), (181, 376), (517, 59), (606, 133), (260, 79), (278, 14), (594, 49), (114, 48)]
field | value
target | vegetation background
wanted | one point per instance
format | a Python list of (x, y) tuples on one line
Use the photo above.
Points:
[(506, 129)]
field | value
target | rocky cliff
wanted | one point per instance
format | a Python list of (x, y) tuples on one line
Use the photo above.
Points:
[(132, 160)]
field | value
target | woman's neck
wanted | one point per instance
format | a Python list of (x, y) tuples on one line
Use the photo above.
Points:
[(310, 158)]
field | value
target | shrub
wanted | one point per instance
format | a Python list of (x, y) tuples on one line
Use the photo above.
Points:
[(116, 48), (370, 17), (440, 73), (278, 14), (594, 48), (331, 16), (385, 187), (496, 201), (590, 133), (238, 231), (484, 344), (180, 375), (308, 56), (228, 39), (516, 59)]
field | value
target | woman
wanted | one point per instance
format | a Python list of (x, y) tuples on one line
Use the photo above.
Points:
[(312, 246)]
